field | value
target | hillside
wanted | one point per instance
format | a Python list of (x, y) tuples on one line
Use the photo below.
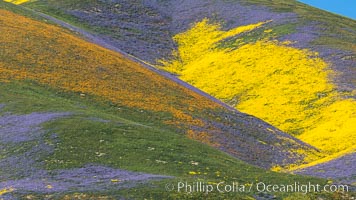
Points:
[(114, 78), (314, 102), (80, 121)]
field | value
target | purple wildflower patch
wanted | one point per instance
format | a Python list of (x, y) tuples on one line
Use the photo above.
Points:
[(342, 170), (24, 171), (88, 178), (232, 14), (21, 138), (264, 146), (303, 36), (145, 28), (341, 61), (27, 163), (22, 128)]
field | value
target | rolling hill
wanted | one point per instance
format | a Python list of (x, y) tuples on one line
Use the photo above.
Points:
[(313, 84), (69, 106), (72, 110)]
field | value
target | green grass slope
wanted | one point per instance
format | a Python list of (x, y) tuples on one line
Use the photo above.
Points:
[(122, 116), (130, 143)]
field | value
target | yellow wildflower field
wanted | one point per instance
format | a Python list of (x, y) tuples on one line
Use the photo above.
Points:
[(17, 2), (288, 87)]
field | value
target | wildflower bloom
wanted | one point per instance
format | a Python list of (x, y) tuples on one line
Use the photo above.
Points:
[(283, 85), (6, 190)]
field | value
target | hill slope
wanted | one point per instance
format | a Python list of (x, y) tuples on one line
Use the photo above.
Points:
[(87, 69), (69, 106), (317, 107)]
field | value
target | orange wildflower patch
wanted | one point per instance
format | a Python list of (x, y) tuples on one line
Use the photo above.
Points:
[(31, 50)]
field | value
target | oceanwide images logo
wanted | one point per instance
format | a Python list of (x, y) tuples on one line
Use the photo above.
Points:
[(235, 187)]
